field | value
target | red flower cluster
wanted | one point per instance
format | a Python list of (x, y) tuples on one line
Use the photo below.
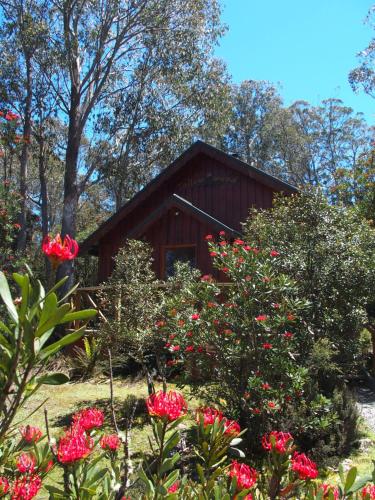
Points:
[(246, 476), (327, 489), (26, 463), (261, 317), (368, 492), (280, 442), (58, 251), (174, 487), (88, 419), (303, 466), (26, 487), (166, 405), (31, 434), (110, 442), (211, 414), (74, 445), (4, 485)]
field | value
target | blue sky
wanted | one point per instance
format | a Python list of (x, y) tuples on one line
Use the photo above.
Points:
[(307, 46)]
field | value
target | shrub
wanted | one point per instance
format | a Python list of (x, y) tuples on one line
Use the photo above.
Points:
[(330, 253)]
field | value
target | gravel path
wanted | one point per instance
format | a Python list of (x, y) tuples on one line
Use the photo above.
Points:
[(366, 405)]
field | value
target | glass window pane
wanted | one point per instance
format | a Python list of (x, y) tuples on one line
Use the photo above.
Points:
[(181, 254)]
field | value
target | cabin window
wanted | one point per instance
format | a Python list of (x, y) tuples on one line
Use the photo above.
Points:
[(173, 254)]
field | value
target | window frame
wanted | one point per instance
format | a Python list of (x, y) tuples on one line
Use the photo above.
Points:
[(164, 248)]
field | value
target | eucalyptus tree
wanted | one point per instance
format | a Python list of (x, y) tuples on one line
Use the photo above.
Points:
[(105, 49), (23, 35), (363, 77)]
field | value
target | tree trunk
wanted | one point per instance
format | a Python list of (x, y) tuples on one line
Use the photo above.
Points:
[(44, 203), (24, 160), (71, 193)]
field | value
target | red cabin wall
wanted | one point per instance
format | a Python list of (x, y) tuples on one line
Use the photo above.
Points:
[(208, 184)]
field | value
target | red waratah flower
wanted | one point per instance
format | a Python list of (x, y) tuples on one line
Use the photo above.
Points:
[(30, 434), (368, 492), (200, 348), (222, 233), (288, 335), (49, 466), (4, 485), (231, 427), (266, 386), (261, 317), (10, 116), (110, 442), (16, 225), (290, 317), (256, 411), (225, 269), (74, 445), (176, 348), (174, 487), (271, 405), (89, 418), (223, 243), (207, 277), (327, 488), (246, 476), (280, 442), (274, 253), (213, 254), (195, 316), (166, 405), (189, 348), (160, 324), (26, 463), (208, 237), (276, 305), (26, 487), (303, 466), (238, 242), (209, 415), (266, 345), (58, 251)]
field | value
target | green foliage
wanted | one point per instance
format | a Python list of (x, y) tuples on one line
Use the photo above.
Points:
[(329, 252), (25, 341), (131, 301)]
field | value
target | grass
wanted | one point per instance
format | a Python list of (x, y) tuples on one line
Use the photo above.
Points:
[(63, 401)]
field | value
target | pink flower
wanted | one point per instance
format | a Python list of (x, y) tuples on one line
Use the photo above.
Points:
[(303, 466), (89, 418), (261, 317), (166, 405), (74, 445), (174, 487), (58, 251), (280, 442), (26, 463), (110, 442), (31, 434), (26, 487), (4, 486), (368, 492), (246, 476)]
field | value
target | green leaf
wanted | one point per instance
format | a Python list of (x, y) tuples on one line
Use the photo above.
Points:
[(53, 379), (53, 320), (24, 283), (169, 463), (78, 315), (7, 298), (56, 346), (350, 478)]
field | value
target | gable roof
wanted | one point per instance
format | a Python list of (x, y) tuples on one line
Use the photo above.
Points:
[(177, 201), (196, 148)]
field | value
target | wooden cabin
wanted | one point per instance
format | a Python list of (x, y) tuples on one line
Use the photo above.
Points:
[(202, 192)]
